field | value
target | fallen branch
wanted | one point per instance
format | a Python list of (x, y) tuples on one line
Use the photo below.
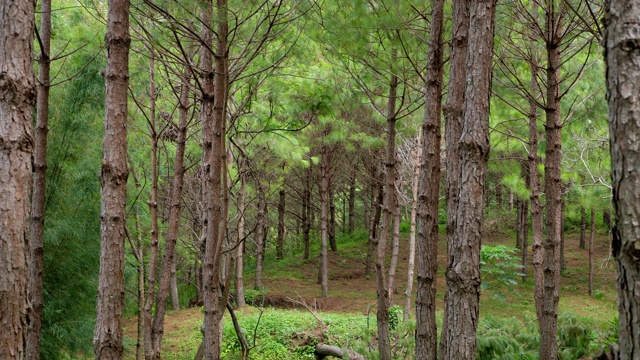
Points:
[(304, 303), (323, 350)]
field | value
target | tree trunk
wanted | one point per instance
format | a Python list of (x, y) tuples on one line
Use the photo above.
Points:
[(140, 334), (306, 214), (548, 309), (376, 209), (36, 238), (429, 193), (563, 212), (332, 220), (169, 263), (591, 238), (519, 224), (240, 300), (260, 226), (280, 239), (499, 194), (463, 270), (395, 249), (324, 221), (412, 232), (324, 350), (175, 296), (525, 237), (153, 209), (352, 201), (583, 227), (621, 47), (382, 283), (107, 340), (453, 128), (214, 299), (17, 99), (534, 182), (606, 218), (139, 253)]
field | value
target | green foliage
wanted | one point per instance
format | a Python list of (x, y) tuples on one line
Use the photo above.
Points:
[(72, 213), (607, 334), (253, 296), (395, 316), (512, 339), (405, 227), (499, 265)]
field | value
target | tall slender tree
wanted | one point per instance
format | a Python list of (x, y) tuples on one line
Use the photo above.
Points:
[(17, 98), (412, 232), (388, 209), (429, 193), (107, 341), (452, 110), (153, 210), (168, 265), (323, 188), (38, 200), (214, 291), (463, 269)]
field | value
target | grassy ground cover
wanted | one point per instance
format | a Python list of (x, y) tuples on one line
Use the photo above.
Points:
[(278, 327)]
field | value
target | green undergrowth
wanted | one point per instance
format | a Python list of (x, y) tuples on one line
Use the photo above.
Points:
[(292, 334)]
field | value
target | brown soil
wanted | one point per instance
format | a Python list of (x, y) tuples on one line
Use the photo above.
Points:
[(351, 291)]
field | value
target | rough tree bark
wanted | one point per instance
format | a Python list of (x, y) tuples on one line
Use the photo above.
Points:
[(332, 219), (622, 41), (533, 176), (107, 340), (547, 291), (429, 193), (452, 111), (395, 247), (382, 282), (17, 98), (377, 197), (153, 209), (36, 238), (168, 266), (463, 270), (260, 226), (214, 299)]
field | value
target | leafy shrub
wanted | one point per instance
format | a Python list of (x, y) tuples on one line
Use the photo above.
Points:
[(395, 316), (511, 339), (601, 338), (253, 296), (500, 265), (405, 227)]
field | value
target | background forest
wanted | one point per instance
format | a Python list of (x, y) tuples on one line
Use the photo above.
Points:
[(336, 171)]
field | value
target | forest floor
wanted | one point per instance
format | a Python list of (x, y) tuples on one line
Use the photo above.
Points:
[(351, 291), (293, 281)]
